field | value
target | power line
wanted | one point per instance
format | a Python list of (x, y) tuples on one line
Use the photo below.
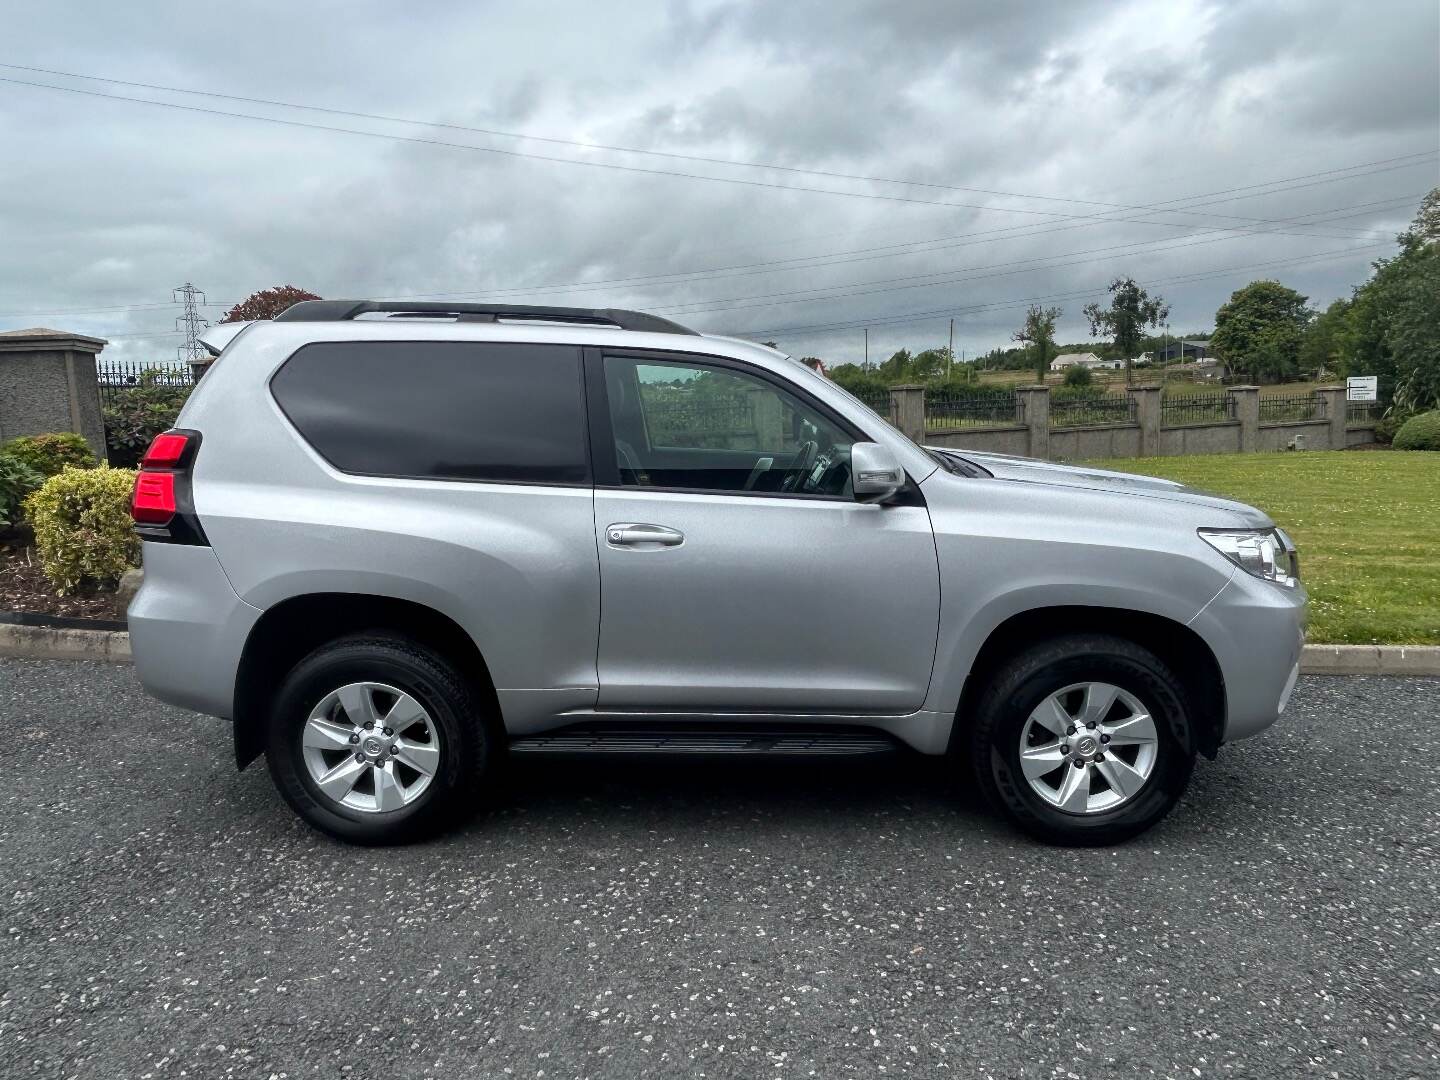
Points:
[(924, 316), (1040, 264), (572, 161), (808, 262), (832, 258), (1020, 266), (945, 312), (587, 145)]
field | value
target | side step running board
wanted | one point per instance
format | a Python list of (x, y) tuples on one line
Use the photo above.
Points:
[(772, 743)]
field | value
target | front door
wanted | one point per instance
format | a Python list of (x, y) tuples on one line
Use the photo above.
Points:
[(737, 572)]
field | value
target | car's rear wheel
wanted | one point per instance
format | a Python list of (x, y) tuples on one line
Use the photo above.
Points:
[(378, 740), (1084, 739)]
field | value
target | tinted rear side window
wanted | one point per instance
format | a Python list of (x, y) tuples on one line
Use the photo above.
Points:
[(444, 410)]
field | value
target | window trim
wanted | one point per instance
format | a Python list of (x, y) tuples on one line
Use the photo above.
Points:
[(606, 471), (585, 484)]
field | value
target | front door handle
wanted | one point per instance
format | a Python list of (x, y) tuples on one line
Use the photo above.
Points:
[(633, 534)]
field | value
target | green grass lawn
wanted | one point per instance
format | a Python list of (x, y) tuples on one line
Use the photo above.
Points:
[(1367, 525)]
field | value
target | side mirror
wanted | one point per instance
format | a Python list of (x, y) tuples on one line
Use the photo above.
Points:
[(875, 473)]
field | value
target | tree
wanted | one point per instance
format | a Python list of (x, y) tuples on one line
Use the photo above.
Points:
[(930, 364), (1038, 334), (1258, 331), (1078, 375), (267, 303), (1324, 340), (1412, 333), (1131, 310), (897, 368), (1425, 229)]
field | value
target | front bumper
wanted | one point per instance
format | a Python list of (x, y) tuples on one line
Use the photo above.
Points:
[(1256, 629)]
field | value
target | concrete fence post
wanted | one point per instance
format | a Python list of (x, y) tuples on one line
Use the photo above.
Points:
[(48, 383), (1147, 415), (1247, 411), (1334, 399), (765, 418), (1035, 400), (907, 411)]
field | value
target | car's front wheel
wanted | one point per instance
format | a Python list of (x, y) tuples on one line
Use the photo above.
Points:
[(1084, 739), (377, 740)]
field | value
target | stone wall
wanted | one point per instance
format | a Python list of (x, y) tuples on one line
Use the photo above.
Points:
[(1099, 441), (1147, 435)]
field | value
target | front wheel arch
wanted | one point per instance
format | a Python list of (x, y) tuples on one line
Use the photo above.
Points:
[(1181, 649)]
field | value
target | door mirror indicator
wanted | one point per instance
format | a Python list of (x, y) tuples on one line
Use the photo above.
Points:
[(875, 473)]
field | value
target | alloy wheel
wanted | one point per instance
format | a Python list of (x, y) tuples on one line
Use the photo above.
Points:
[(371, 747), (1088, 747)]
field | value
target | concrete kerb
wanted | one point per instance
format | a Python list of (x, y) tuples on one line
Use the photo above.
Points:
[(54, 643), (1370, 660), (113, 646)]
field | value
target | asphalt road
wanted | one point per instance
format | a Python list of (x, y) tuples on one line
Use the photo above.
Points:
[(164, 916)]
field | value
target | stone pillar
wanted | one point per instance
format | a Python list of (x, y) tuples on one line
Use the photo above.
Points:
[(1334, 399), (1247, 411), (1147, 414), (48, 383), (907, 411), (1036, 402)]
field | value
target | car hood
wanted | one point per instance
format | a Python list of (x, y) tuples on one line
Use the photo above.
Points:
[(1036, 471)]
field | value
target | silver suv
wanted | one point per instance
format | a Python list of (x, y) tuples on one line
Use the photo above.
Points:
[(399, 543)]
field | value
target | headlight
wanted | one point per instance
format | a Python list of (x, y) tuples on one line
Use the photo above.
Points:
[(1266, 553)]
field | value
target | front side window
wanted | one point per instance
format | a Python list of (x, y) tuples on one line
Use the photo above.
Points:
[(441, 410), (701, 426)]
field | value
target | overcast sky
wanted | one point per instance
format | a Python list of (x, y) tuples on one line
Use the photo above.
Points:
[(1033, 136)]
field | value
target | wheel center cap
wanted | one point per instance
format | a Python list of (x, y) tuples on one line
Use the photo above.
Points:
[(1087, 745), (373, 747)]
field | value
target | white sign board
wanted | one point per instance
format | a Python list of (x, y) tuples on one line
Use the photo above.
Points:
[(1362, 387)]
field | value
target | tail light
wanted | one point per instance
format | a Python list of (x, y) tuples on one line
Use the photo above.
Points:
[(154, 500), (161, 505)]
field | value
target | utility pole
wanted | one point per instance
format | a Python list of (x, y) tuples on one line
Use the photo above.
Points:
[(867, 348), (192, 352), (950, 353), (1165, 357)]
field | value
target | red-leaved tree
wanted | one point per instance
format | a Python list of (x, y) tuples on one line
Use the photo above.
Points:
[(267, 303)]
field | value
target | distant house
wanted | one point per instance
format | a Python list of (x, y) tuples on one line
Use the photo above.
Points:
[(1084, 359), (1182, 351)]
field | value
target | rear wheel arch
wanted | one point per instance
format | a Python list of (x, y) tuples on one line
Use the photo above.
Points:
[(1181, 649), (289, 631)]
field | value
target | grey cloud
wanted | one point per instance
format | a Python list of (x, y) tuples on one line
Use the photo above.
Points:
[(105, 203)]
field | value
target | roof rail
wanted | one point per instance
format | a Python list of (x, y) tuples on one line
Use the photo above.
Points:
[(343, 310)]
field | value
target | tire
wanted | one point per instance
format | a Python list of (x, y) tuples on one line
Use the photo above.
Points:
[(406, 803), (1016, 714)]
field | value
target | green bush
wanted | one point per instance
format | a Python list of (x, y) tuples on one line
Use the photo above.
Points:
[(1389, 425), (17, 480), (973, 391), (48, 454), (1420, 432), (1077, 393), (1078, 375), (83, 531), (135, 415)]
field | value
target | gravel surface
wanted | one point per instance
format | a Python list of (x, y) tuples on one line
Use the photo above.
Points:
[(164, 916)]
